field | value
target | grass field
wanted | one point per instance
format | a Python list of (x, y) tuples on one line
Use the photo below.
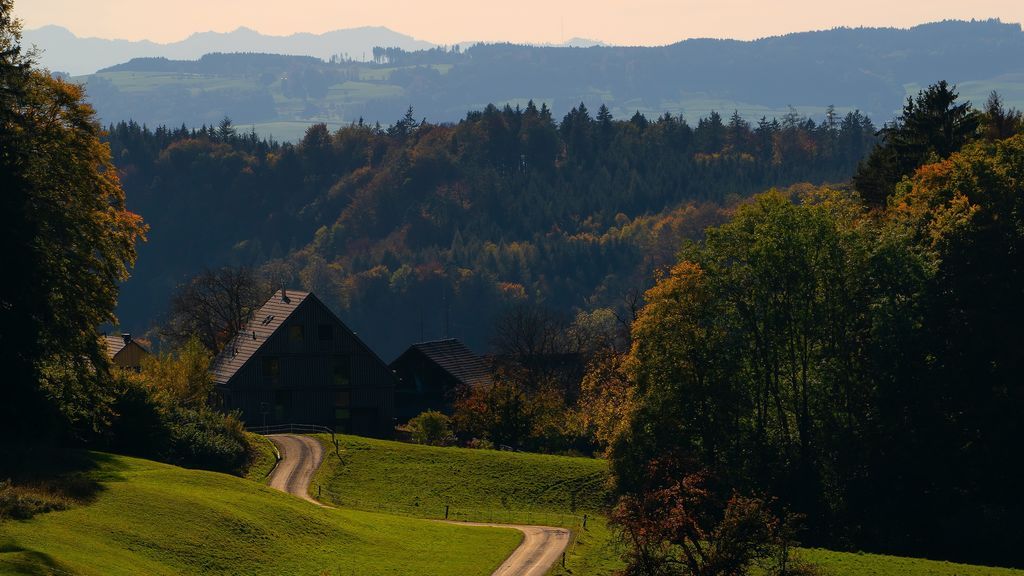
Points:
[(421, 480), (264, 458), (548, 487), (151, 518)]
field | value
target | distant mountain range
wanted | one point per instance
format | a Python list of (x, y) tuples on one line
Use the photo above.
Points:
[(65, 52)]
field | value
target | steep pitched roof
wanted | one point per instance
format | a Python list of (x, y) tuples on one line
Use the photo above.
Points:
[(454, 358), (116, 342), (264, 323)]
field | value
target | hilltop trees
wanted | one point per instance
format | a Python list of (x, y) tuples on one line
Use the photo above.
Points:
[(68, 242), (932, 124)]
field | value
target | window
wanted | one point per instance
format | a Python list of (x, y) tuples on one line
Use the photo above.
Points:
[(342, 371), (325, 332), (282, 405), (295, 333), (342, 398), (271, 369)]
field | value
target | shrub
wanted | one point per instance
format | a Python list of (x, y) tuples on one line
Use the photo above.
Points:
[(149, 425), (679, 526), (432, 428), (205, 439)]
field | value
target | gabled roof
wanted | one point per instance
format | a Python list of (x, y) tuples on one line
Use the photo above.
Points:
[(116, 342), (264, 323), (454, 358)]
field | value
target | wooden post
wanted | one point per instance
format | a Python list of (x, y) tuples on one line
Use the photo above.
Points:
[(563, 559), (584, 520), (319, 490), (445, 511)]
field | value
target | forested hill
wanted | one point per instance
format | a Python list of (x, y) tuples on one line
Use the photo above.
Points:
[(411, 228), (871, 69)]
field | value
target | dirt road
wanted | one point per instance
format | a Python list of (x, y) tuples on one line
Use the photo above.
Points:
[(540, 549), (300, 458), (542, 546)]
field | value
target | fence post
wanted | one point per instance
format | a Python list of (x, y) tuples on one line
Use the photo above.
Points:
[(584, 520), (319, 490), (445, 511), (563, 559)]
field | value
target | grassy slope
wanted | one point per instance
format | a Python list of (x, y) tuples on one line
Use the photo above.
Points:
[(151, 518), (381, 473), (264, 458), (421, 480)]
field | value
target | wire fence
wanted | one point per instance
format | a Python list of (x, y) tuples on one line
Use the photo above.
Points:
[(291, 429), (454, 513)]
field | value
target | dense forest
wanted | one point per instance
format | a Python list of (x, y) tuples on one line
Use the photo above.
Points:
[(417, 230)]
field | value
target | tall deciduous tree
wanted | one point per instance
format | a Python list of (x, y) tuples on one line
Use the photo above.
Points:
[(68, 242), (214, 306)]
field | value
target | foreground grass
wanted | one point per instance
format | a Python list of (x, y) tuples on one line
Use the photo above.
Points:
[(151, 518), (476, 484), (597, 554), (857, 564)]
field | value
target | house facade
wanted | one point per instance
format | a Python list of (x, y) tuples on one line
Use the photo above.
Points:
[(431, 374), (124, 352), (297, 363)]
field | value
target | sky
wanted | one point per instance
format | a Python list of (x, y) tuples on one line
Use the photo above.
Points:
[(623, 22)]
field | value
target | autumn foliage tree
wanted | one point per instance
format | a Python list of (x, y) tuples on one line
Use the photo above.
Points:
[(678, 525), (68, 243)]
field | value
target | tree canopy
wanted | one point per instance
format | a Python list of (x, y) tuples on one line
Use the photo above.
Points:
[(68, 243)]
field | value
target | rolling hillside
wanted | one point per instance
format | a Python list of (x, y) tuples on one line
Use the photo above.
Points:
[(157, 519)]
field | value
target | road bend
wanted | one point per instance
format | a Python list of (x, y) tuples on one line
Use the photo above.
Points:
[(541, 547)]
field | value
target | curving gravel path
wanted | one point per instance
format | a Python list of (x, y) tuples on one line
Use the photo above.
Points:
[(541, 547), (300, 459)]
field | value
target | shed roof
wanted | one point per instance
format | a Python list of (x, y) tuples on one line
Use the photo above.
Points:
[(456, 359), (264, 323)]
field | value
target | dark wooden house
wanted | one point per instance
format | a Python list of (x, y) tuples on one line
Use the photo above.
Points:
[(430, 375), (297, 363), (124, 352)]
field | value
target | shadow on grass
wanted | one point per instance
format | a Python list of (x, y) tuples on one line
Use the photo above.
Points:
[(34, 480), (23, 562)]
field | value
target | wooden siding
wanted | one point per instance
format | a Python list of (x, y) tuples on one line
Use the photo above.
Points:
[(306, 389), (130, 356)]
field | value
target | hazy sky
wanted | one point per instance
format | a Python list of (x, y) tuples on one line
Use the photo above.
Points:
[(647, 22)]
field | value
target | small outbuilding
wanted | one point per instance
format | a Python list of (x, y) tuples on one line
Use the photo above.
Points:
[(124, 352), (298, 363), (430, 375)]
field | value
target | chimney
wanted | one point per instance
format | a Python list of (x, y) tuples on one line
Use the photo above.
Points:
[(126, 337), (284, 295)]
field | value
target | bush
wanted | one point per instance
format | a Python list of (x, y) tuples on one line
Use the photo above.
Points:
[(205, 439), (432, 428), (193, 437), (480, 444)]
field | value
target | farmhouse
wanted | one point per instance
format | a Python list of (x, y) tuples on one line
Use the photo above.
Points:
[(297, 363), (124, 352), (430, 375)]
